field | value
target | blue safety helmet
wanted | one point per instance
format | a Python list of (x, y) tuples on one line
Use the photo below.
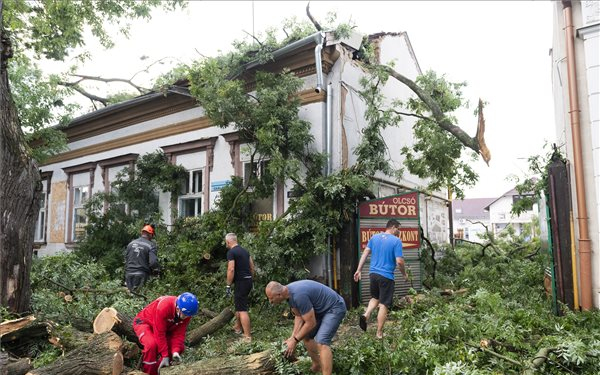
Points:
[(187, 303)]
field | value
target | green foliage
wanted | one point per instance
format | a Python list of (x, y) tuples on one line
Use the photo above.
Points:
[(55, 277), (132, 203), (372, 151), (535, 184), (53, 30), (436, 154), (40, 104)]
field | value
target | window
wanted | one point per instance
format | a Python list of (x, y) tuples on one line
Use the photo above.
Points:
[(190, 198), (113, 173), (81, 183), (529, 206), (80, 195), (113, 168), (256, 169), (40, 225)]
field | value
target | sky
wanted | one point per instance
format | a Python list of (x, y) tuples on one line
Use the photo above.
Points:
[(500, 49)]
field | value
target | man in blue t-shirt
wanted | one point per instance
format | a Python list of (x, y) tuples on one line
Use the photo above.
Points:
[(318, 311), (386, 253)]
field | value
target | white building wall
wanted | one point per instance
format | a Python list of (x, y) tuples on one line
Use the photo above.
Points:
[(344, 75), (586, 19)]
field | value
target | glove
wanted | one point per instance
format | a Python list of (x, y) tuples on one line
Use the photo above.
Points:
[(228, 291), (176, 356), (164, 363)]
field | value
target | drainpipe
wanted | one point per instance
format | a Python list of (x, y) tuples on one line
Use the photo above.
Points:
[(585, 251), (319, 38), (328, 169)]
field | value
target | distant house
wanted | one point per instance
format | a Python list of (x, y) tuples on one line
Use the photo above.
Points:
[(500, 216), (470, 218)]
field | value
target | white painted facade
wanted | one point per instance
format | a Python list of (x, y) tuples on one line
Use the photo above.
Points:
[(95, 155), (501, 217), (586, 20)]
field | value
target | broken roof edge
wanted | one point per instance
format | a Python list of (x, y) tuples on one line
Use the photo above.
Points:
[(376, 37)]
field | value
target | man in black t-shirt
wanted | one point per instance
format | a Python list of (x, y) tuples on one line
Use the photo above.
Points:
[(240, 269)]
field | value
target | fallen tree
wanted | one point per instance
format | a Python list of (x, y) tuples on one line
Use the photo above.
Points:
[(210, 327), (101, 356), (253, 364)]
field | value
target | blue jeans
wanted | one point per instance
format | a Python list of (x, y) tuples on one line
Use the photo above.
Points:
[(328, 323)]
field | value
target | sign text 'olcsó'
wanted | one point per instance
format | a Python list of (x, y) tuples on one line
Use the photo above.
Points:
[(401, 207)]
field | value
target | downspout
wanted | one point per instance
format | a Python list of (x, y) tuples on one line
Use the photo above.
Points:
[(585, 264), (319, 39), (329, 168)]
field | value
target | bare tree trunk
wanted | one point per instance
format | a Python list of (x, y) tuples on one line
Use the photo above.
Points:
[(210, 327), (101, 356), (253, 364), (19, 195)]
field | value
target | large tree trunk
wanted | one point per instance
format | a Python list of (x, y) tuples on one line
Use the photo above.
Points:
[(253, 364), (101, 356), (211, 326), (19, 195)]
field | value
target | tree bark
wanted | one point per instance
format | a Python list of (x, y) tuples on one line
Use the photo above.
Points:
[(101, 356), (18, 367), (14, 332), (209, 327), (253, 364), (67, 338), (20, 191), (13, 366)]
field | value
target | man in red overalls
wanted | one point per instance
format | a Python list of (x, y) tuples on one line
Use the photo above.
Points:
[(161, 327)]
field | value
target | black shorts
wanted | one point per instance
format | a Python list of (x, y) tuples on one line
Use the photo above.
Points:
[(242, 289), (382, 289)]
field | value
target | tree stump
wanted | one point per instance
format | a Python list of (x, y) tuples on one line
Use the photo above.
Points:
[(253, 364), (209, 327), (110, 319), (101, 356)]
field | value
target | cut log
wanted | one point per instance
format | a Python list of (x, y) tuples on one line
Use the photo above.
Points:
[(253, 364), (110, 319), (23, 328), (210, 327), (96, 358)]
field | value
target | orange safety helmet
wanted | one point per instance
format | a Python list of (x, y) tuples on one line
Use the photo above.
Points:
[(149, 229)]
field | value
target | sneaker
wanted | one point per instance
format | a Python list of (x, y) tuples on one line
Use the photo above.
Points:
[(362, 322)]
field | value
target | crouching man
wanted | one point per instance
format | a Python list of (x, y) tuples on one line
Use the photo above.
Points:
[(318, 312), (161, 327)]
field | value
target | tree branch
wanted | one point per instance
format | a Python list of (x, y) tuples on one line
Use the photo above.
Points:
[(255, 38), (437, 113), (409, 114), (90, 96), (311, 18), (83, 77)]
